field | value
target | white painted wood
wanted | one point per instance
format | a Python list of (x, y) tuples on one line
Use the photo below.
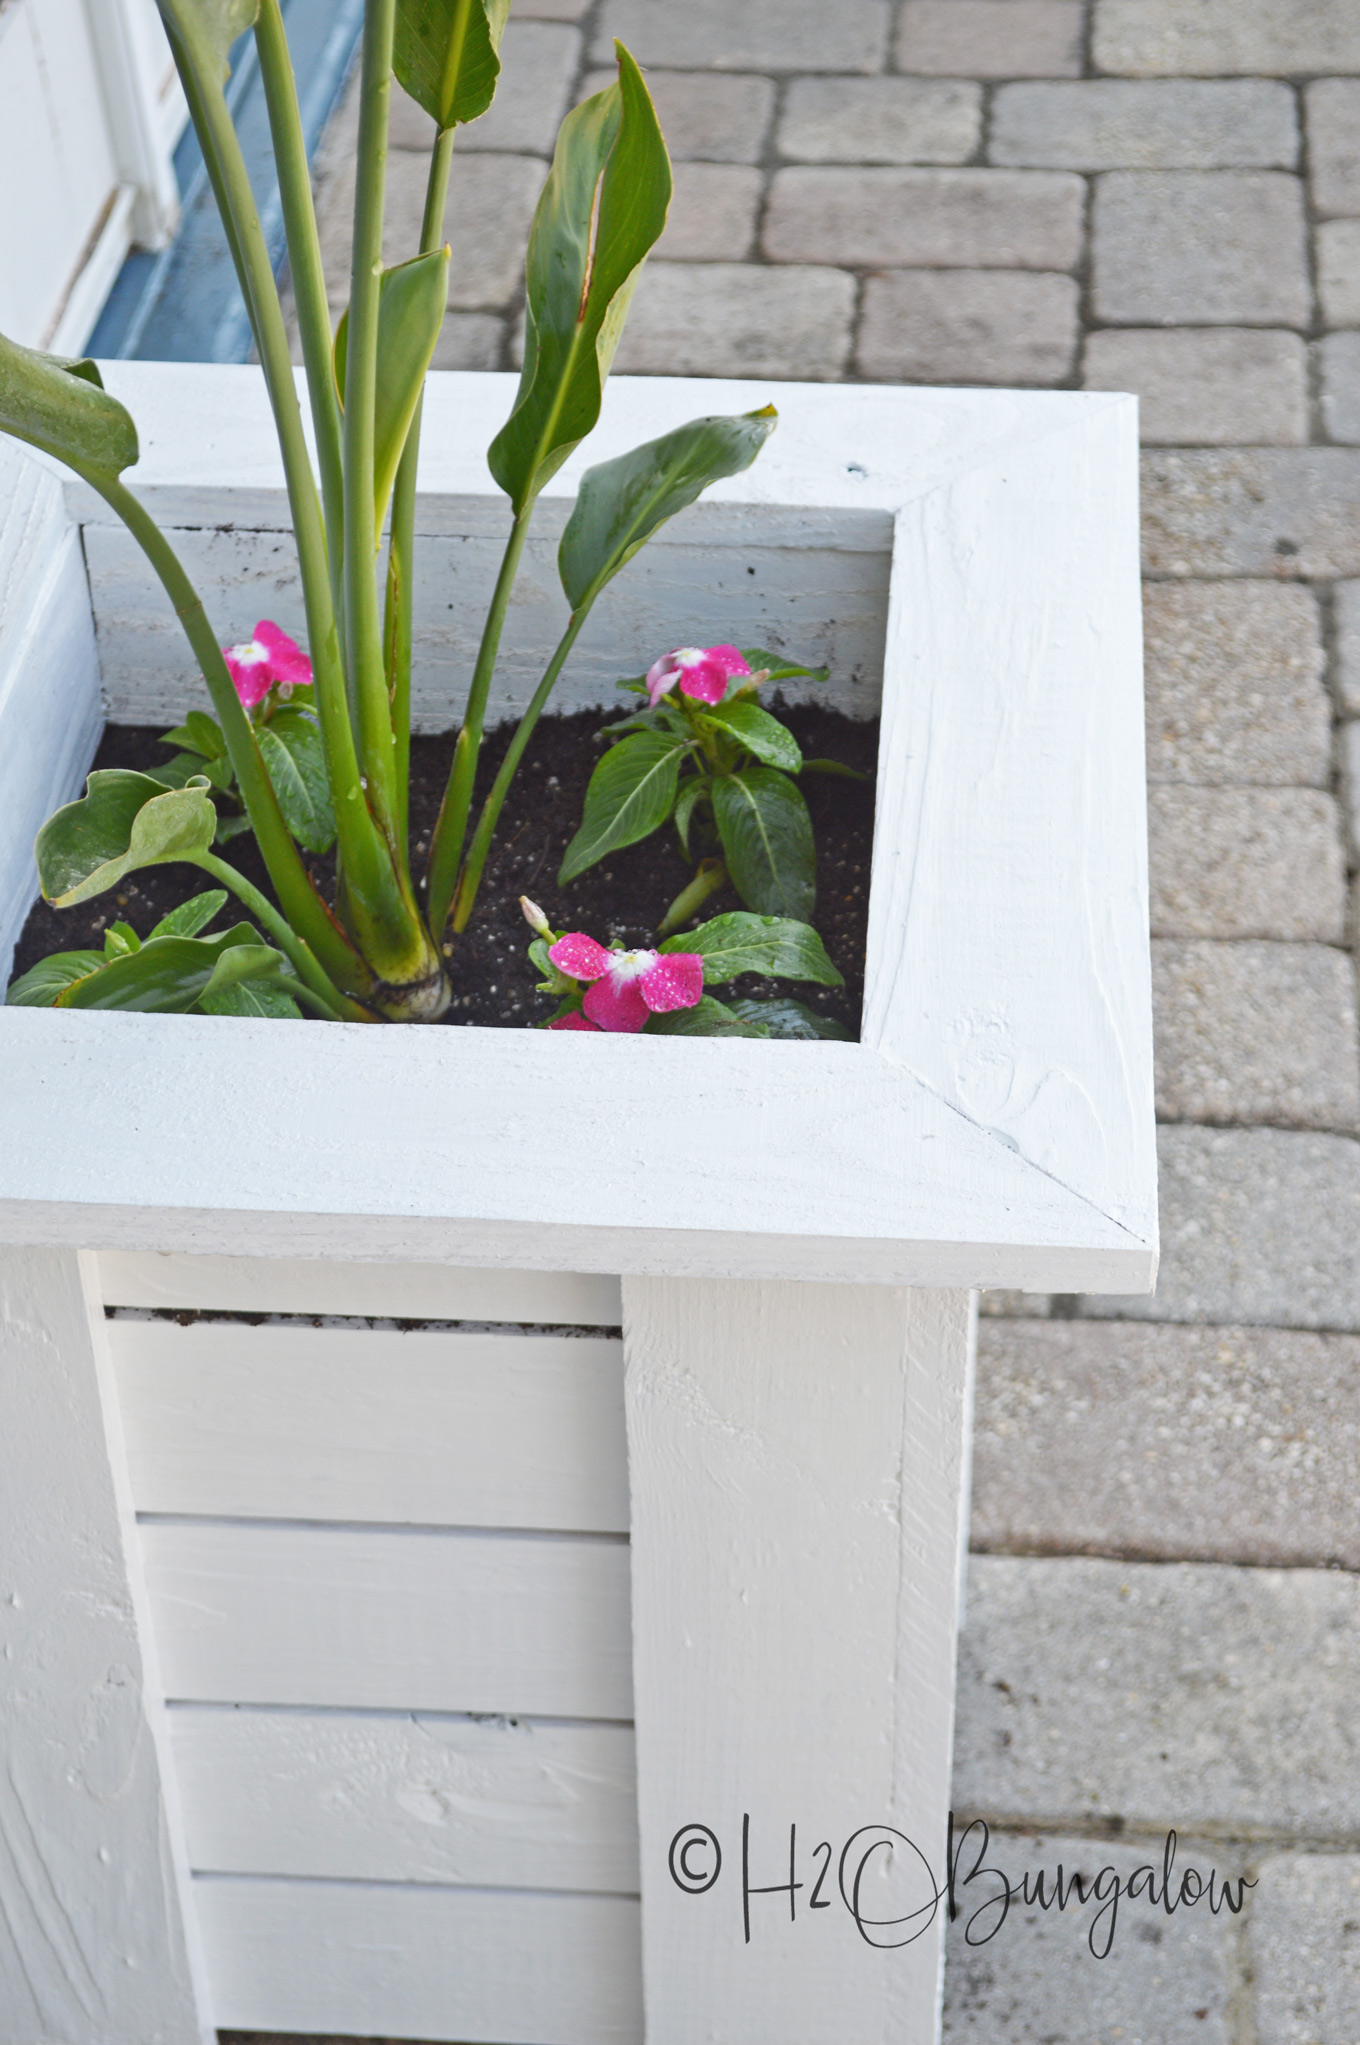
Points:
[(417, 1292), (434, 1429), (391, 1619), (95, 1948), (50, 712), (145, 110), (432, 1963), (102, 259), (797, 1459), (912, 1158), (486, 1803)]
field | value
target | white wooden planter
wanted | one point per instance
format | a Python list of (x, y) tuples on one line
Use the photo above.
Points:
[(411, 1682)]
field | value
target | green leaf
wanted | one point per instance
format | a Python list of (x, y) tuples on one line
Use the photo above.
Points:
[(622, 503), (691, 789), (120, 938), (60, 405), (170, 974), (708, 1018), (631, 794), (767, 841), (123, 821), (743, 943), (779, 669), (229, 827), (191, 916), (770, 741), (602, 208), (292, 750), (412, 298), (207, 29), (180, 771), (200, 734), (835, 767), (445, 54), (41, 984), (785, 1017), (251, 998)]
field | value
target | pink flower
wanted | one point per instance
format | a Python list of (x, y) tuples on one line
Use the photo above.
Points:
[(628, 986), (702, 671), (574, 1021), (271, 656)]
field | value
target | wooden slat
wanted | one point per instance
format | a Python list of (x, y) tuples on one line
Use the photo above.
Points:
[(294, 1422), (391, 1619), (422, 1963), (316, 1285), (490, 1803)]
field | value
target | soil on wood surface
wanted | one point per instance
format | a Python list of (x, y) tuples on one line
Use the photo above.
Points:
[(619, 901)]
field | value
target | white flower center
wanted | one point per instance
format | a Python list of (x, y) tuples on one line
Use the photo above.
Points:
[(630, 965), (689, 656), (250, 653)]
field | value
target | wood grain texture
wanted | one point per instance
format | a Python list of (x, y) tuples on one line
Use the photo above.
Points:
[(434, 1429), (490, 1803), (1008, 960), (95, 1946), (399, 1620), (798, 1472), (50, 714), (422, 1963), (418, 1292)]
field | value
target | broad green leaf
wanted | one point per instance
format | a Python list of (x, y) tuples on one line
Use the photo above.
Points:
[(411, 301), (836, 768), (691, 789), (191, 916), (779, 669), (177, 773), (229, 827), (630, 795), (206, 30), (708, 1018), (785, 1017), (120, 938), (41, 984), (251, 998), (199, 733), (622, 503), (767, 841), (170, 974), (445, 54), (743, 943), (123, 821), (60, 405), (293, 753), (771, 742), (602, 208)]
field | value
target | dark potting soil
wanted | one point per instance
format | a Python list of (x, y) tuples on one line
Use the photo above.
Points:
[(620, 901)]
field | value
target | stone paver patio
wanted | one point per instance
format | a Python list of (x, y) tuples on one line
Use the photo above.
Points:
[(1162, 196)]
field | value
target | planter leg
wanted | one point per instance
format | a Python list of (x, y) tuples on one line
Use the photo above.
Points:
[(95, 1939), (798, 1463)]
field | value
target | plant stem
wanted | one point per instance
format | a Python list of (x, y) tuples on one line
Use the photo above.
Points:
[(371, 882), (313, 1001), (397, 628), (303, 907), (287, 939), (308, 275), (711, 876), (446, 845), (500, 788), (363, 631)]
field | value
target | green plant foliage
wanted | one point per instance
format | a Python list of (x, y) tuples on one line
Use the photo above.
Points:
[(60, 405), (446, 55), (206, 30), (771, 742), (170, 975), (631, 793), (602, 209), (742, 943), (412, 298), (123, 821), (41, 984), (295, 756), (775, 668), (191, 916), (709, 1018), (621, 503), (766, 836), (261, 999), (782, 1016)]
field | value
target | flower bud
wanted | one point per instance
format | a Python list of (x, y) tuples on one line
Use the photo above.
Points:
[(534, 917)]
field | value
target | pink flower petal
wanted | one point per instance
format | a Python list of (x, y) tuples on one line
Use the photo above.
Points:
[(580, 956), (574, 1021), (248, 666), (675, 981), (661, 676), (708, 669), (616, 1004), (707, 683), (287, 661)]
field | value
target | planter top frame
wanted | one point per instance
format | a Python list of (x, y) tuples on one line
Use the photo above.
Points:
[(994, 1127)]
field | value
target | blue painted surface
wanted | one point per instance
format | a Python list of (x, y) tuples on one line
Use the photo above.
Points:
[(183, 304)]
